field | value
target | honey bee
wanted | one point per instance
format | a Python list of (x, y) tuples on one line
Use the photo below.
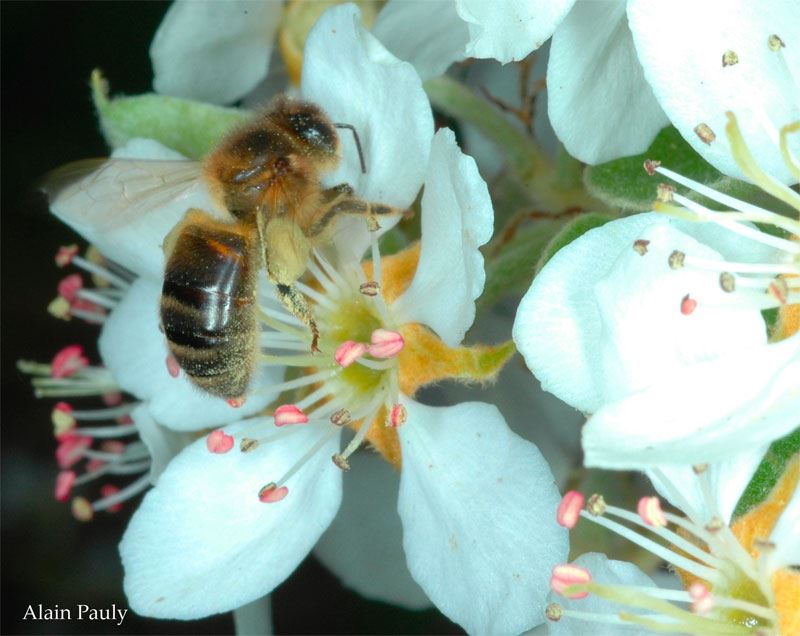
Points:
[(270, 211)]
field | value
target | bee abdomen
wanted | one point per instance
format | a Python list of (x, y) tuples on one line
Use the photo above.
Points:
[(208, 306)]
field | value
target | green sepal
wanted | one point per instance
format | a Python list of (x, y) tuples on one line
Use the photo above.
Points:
[(189, 127), (624, 183), (572, 230), (768, 472)]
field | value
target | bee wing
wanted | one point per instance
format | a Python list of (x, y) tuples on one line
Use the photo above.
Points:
[(109, 193), (126, 207)]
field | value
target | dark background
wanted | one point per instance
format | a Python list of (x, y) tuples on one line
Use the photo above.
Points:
[(48, 51)]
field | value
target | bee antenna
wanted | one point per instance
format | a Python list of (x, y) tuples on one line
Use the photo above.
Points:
[(358, 145)]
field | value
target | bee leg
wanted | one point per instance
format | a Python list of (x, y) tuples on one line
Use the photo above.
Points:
[(343, 202), (294, 301)]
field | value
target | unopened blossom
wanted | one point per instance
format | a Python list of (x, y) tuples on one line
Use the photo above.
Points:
[(738, 575), (620, 71), (653, 326)]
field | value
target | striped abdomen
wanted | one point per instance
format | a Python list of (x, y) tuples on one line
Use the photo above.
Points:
[(208, 303)]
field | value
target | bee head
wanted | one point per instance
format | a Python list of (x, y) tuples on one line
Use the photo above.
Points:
[(308, 125)]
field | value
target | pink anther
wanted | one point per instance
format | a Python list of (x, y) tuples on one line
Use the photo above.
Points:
[(173, 368), (219, 442), (64, 483), (94, 464), (348, 352), (569, 510), (70, 450), (236, 403), (65, 254), (69, 287), (702, 601), (289, 414), (112, 399), (68, 362), (688, 305), (649, 509), (109, 490), (385, 343), (113, 446), (398, 416), (271, 493), (566, 575)]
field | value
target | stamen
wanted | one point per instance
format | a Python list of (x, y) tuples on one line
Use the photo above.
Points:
[(567, 575), (71, 449), (348, 352), (237, 402), (64, 483), (729, 58), (341, 417), (101, 272), (219, 442), (649, 510), (173, 368), (370, 288), (289, 414), (62, 418), (650, 166), (704, 132), (65, 254), (314, 295), (786, 152), (248, 444), (569, 510), (398, 416), (82, 509), (68, 362), (640, 246), (319, 376), (118, 496), (688, 305), (107, 491), (702, 601), (271, 493), (385, 343), (676, 259)]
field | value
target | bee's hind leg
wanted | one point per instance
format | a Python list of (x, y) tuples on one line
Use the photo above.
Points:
[(294, 301)]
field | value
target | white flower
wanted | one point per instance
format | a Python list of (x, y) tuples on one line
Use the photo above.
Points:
[(737, 574), (214, 51), (221, 529), (654, 327), (620, 71)]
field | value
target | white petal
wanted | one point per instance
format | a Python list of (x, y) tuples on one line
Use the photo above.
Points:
[(558, 326), (646, 339), (478, 504), (364, 544), (201, 542), (786, 535), (214, 51), (607, 572), (430, 35), (707, 413), (509, 30), (600, 105), (727, 480), (457, 218), (131, 236), (531, 413), (681, 45), (162, 443), (134, 349), (358, 82)]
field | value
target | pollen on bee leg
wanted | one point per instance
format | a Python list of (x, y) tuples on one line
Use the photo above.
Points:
[(219, 442), (348, 352), (289, 414), (173, 368), (649, 509), (386, 343), (688, 305), (64, 483), (271, 493), (569, 510), (567, 575), (65, 254)]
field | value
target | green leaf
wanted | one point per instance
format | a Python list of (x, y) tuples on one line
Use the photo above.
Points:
[(573, 229), (625, 184), (768, 472), (192, 128)]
